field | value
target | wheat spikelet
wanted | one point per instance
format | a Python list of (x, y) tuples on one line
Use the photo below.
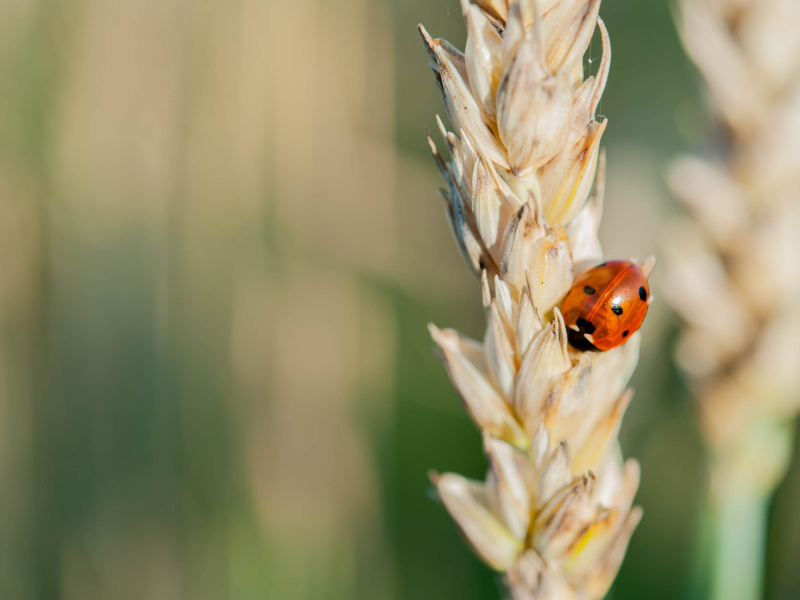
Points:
[(734, 272), (555, 511)]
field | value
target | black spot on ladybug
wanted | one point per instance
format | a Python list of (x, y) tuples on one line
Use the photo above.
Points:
[(603, 265), (642, 294), (616, 309), (585, 326), (589, 290), (625, 333)]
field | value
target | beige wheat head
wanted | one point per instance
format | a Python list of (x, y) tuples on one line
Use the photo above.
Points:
[(734, 269), (555, 511)]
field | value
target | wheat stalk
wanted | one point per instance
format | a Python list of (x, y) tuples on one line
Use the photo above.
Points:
[(734, 272), (554, 514)]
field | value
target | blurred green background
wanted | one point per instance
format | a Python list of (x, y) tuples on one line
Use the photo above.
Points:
[(220, 243)]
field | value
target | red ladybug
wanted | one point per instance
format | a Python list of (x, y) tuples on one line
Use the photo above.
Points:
[(606, 305)]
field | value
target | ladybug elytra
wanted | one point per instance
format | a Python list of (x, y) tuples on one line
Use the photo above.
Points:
[(606, 305)]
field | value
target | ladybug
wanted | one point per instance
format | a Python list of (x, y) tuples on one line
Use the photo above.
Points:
[(606, 305)]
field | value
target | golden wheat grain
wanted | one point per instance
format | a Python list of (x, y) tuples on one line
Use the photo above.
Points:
[(555, 511), (734, 273)]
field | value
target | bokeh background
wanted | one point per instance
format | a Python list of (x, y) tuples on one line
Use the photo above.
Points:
[(220, 243)]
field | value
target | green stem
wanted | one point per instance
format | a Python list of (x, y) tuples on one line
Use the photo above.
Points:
[(740, 520)]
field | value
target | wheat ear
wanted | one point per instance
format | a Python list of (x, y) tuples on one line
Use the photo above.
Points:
[(734, 267), (554, 514)]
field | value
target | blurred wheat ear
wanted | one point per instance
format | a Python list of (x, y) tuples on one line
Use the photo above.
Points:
[(733, 268), (524, 197)]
